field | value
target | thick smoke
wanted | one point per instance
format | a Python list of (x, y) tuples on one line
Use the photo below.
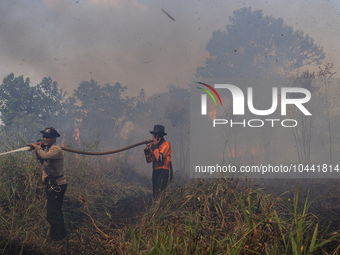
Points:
[(132, 42)]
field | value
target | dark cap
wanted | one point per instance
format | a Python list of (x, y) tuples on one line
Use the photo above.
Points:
[(50, 131), (158, 129)]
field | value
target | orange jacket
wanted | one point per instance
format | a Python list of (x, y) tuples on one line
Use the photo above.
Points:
[(159, 154)]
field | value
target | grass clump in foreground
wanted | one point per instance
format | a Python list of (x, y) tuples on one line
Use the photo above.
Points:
[(217, 217), (107, 212), (107, 186)]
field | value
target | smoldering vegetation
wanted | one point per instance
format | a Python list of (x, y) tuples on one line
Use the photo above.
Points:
[(108, 210), (108, 207), (308, 142)]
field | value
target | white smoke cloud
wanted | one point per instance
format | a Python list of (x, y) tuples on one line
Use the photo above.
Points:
[(119, 4), (132, 42)]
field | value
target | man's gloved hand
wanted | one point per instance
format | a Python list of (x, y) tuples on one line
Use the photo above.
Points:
[(50, 180)]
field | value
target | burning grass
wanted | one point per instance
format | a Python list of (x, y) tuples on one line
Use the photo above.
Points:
[(218, 217), (108, 210)]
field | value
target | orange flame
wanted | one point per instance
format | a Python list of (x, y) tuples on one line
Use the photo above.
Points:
[(254, 148), (76, 135), (63, 141), (212, 111), (257, 147), (240, 152)]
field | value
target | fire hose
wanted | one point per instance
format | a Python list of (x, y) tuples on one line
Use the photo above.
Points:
[(27, 148), (106, 152), (115, 151)]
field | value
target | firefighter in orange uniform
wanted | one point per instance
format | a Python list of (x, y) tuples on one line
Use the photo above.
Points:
[(158, 151)]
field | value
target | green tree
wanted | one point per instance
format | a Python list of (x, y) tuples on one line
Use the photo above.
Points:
[(16, 99), (103, 110), (50, 100), (26, 109), (254, 45)]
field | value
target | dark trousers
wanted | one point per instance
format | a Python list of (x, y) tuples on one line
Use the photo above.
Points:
[(159, 181), (55, 198)]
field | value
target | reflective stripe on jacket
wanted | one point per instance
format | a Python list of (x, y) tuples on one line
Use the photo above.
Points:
[(159, 154)]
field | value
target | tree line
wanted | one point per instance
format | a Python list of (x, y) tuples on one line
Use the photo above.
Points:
[(252, 46), (104, 113)]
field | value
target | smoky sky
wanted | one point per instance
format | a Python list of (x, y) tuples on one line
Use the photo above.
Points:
[(135, 42)]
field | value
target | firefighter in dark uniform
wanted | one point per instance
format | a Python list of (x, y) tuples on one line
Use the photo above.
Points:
[(53, 177), (158, 151)]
